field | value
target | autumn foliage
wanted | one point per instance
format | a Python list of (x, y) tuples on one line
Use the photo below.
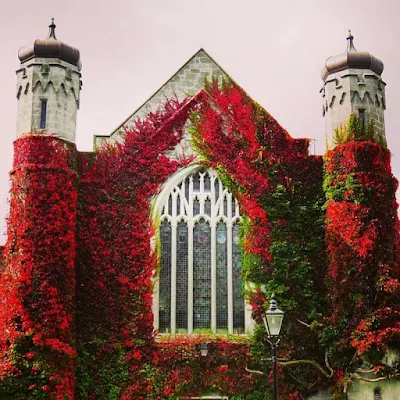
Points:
[(76, 290), (363, 246)]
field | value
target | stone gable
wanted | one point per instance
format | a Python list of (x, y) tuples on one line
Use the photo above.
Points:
[(188, 80)]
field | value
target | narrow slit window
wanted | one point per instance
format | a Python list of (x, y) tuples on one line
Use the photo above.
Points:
[(377, 394), (43, 114), (361, 117)]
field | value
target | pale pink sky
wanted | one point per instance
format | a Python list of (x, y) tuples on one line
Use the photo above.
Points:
[(274, 49)]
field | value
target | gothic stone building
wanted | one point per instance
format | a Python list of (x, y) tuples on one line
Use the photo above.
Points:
[(199, 286)]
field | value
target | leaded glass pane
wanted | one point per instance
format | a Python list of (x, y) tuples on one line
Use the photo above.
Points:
[(165, 277), (170, 205), (196, 207), (233, 207), (178, 205), (238, 302), (207, 183), (182, 276), (222, 277), (202, 275), (216, 187), (187, 188), (225, 206), (196, 182), (207, 207)]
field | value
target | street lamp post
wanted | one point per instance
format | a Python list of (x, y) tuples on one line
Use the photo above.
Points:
[(273, 318), (203, 349)]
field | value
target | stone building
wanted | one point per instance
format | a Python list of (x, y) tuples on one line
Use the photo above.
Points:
[(199, 283)]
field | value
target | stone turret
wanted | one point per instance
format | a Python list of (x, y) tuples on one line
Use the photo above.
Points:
[(48, 86), (353, 84)]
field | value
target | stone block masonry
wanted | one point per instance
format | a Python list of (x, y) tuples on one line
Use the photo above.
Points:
[(55, 82), (357, 91), (187, 81)]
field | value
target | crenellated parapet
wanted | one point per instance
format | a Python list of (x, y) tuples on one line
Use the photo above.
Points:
[(354, 91), (48, 87), (353, 85)]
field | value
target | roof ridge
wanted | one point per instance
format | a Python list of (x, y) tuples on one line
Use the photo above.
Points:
[(113, 132)]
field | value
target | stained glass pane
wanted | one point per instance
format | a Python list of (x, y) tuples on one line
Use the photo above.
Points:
[(165, 277), (196, 182), (207, 183), (196, 207), (222, 277), (216, 187), (187, 188), (170, 205), (182, 276), (225, 207), (202, 275), (238, 302), (178, 205), (207, 207)]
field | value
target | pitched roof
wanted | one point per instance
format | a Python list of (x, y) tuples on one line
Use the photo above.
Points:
[(188, 80)]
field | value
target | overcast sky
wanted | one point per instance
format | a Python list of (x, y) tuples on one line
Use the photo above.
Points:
[(274, 49)]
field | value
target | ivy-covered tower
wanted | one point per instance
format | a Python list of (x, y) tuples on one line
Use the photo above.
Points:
[(48, 86), (353, 84), (38, 279)]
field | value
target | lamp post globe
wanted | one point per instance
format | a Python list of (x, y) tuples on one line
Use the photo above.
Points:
[(273, 318)]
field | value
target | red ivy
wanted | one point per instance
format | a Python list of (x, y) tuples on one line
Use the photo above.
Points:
[(363, 246), (37, 285)]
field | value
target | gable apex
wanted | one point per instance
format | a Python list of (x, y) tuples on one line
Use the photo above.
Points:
[(187, 81)]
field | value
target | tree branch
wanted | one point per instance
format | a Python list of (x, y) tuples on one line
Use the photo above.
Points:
[(328, 365), (304, 323), (314, 363), (365, 371), (356, 376), (253, 371)]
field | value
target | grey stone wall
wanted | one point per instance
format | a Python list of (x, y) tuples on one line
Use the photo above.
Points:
[(187, 81), (53, 80), (363, 390), (350, 91)]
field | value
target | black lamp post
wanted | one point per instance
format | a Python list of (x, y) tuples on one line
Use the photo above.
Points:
[(273, 318)]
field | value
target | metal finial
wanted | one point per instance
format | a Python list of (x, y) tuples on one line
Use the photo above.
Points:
[(52, 30), (350, 45)]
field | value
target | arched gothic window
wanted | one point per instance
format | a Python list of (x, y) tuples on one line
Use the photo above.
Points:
[(199, 284)]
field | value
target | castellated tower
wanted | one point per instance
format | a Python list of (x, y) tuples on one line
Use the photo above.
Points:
[(48, 86), (353, 84)]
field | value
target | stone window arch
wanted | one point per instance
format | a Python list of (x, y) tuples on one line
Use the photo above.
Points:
[(199, 284)]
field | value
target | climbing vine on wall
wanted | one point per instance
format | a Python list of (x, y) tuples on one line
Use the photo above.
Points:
[(115, 262), (37, 285), (279, 187), (76, 289), (363, 246), (354, 303)]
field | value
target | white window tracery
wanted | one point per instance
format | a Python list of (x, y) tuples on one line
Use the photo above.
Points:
[(199, 285)]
